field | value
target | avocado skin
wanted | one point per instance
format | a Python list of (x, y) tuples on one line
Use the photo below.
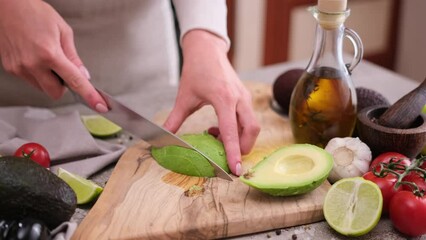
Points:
[(189, 162), (290, 191), (29, 190)]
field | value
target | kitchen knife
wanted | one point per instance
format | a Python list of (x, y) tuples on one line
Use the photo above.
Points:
[(145, 129)]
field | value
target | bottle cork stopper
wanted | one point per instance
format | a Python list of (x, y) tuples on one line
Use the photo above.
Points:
[(332, 6)]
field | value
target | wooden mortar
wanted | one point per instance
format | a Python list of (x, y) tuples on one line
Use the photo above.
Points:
[(405, 111), (408, 141)]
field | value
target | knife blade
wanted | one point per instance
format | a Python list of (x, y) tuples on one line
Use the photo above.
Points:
[(147, 130)]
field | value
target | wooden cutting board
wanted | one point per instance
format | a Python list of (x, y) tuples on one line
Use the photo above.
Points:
[(142, 200)]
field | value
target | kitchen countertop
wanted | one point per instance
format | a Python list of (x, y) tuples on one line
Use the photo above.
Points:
[(390, 84)]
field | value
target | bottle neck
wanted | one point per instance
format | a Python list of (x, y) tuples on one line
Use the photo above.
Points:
[(328, 47)]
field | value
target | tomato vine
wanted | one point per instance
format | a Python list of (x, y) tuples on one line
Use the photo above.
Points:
[(400, 170)]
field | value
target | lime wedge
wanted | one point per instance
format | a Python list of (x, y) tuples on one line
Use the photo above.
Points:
[(353, 206), (85, 189), (99, 126)]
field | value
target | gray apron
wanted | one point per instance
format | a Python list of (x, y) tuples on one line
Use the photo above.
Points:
[(128, 46)]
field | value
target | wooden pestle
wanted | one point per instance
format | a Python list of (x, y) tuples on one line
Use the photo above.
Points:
[(403, 112)]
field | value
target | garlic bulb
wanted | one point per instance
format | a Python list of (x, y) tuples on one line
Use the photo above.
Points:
[(351, 156)]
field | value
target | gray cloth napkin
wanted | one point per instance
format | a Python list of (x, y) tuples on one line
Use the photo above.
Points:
[(65, 137), (64, 231), (67, 140)]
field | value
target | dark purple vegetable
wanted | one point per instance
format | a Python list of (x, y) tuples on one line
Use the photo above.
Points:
[(25, 229)]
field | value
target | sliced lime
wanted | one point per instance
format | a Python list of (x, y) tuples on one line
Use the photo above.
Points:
[(85, 189), (99, 126), (353, 206)]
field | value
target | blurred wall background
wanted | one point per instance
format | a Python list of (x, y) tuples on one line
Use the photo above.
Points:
[(411, 50), (266, 32)]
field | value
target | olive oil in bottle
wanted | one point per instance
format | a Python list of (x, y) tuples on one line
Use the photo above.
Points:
[(322, 107), (323, 103)]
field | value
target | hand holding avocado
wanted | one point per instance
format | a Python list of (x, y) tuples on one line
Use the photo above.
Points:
[(208, 78)]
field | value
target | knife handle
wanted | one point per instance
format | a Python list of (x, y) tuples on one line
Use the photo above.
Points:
[(76, 96), (61, 81)]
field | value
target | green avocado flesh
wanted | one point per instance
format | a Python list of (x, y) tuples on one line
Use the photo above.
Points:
[(189, 162), (29, 190), (291, 170)]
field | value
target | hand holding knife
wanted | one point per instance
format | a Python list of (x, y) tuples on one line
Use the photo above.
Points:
[(142, 127)]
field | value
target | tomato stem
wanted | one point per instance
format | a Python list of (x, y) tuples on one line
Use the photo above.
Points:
[(28, 155), (401, 170)]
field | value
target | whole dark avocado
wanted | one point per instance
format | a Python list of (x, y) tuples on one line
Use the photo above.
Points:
[(283, 87), (29, 190), (369, 97)]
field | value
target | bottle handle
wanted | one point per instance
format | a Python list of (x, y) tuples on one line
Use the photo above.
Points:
[(358, 48)]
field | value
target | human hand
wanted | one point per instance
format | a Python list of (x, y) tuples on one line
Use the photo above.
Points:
[(208, 78), (34, 41)]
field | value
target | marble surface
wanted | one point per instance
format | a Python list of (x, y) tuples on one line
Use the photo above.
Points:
[(390, 84)]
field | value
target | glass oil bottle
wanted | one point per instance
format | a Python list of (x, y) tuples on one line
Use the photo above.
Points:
[(323, 103)]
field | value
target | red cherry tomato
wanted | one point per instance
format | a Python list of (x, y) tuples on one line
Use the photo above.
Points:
[(387, 157), (415, 178), (214, 131), (35, 152), (386, 185), (408, 213), (423, 166)]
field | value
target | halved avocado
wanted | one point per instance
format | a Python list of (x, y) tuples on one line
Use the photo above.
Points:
[(291, 170), (189, 162)]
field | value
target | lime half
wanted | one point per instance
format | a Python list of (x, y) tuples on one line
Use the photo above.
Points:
[(85, 189), (353, 206), (99, 126)]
